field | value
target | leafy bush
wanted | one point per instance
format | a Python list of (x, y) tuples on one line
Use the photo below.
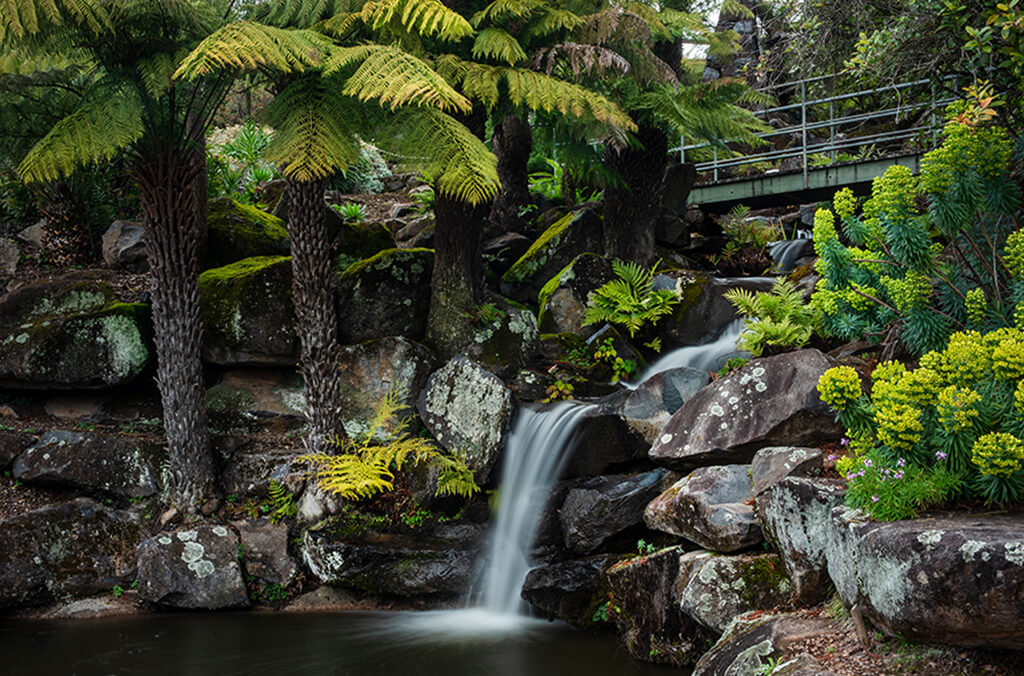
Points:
[(778, 320), (234, 162), (746, 246), (352, 212), (631, 300), (367, 175), (551, 184)]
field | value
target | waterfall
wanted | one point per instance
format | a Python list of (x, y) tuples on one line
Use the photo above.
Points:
[(785, 253), (706, 357)]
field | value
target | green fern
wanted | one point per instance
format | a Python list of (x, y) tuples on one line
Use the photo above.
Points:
[(282, 503), (778, 319), (631, 300)]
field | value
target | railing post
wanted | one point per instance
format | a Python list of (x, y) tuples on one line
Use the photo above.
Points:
[(803, 129), (682, 149), (714, 150), (832, 131)]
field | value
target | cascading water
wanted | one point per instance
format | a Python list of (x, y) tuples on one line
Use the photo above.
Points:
[(785, 253), (706, 357)]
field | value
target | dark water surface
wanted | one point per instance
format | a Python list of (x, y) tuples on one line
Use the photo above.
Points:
[(452, 643)]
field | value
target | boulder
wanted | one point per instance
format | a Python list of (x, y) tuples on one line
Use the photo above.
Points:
[(124, 246), (601, 507), (34, 234), (712, 506), (360, 240), (11, 444), (749, 644), (9, 257), (506, 344), (796, 517), (195, 567), (419, 232), (265, 551), (715, 589), (92, 462), (247, 312), (563, 299), (238, 231), (648, 408), (771, 465), (703, 312), (769, 401), (502, 251), (66, 550), (247, 474), (439, 562), (602, 440), (944, 579), (371, 370), (647, 613), (71, 333), (468, 411), (570, 591), (387, 294), (575, 233)]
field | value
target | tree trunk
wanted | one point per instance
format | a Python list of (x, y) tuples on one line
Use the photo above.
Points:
[(512, 143), (315, 311), (172, 203), (631, 213)]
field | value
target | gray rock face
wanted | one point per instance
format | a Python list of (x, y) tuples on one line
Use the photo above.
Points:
[(795, 513), (265, 548), (194, 567), (370, 370), (387, 294), (716, 589), (603, 506), (248, 473), (770, 401), (11, 444), (569, 590), (92, 462), (748, 645), (71, 334), (648, 617), (435, 564), (66, 550), (506, 345), (9, 256), (124, 246), (247, 313), (563, 300), (467, 410), (771, 465), (953, 580), (649, 407), (711, 506)]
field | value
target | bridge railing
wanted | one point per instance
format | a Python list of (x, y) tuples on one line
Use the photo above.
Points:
[(919, 100)]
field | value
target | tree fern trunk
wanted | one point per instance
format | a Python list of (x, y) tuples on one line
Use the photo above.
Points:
[(315, 311), (512, 143), (171, 203), (631, 213)]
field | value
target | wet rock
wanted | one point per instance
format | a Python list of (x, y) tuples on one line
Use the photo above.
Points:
[(71, 333), (953, 580), (602, 440), (649, 407), (238, 231), (603, 506), (387, 294), (265, 549), (434, 563), (247, 313), (249, 473), (246, 397), (771, 465), (67, 550), (715, 589), (196, 567), (711, 506), (647, 614), (575, 233), (570, 590), (563, 299), (124, 246), (703, 312), (506, 344), (795, 513), (770, 401), (468, 411), (92, 462), (370, 370), (11, 444), (749, 644)]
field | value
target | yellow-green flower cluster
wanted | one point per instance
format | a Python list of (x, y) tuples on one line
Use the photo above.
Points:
[(976, 305), (899, 425), (824, 300), (845, 203), (984, 150), (824, 230), (839, 386), (918, 387), (893, 194), (860, 301), (966, 359), (998, 454), (910, 292), (1008, 358), (867, 260), (957, 408), (884, 380), (1018, 397), (1013, 254)]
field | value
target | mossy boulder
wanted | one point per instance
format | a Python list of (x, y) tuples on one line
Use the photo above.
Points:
[(506, 343), (358, 240), (237, 231), (563, 299), (387, 294), (71, 333), (575, 233), (247, 312)]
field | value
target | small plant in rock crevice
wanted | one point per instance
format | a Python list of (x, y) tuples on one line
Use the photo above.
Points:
[(631, 301), (774, 322), (352, 212)]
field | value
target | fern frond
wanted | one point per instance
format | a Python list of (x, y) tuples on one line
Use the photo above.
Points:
[(20, 18), (455, 477), (497, 44), (246, 45), (554, 20), (349, 476), (429, 18), (340, 26), (501, 10), (107, 120), (157, 71), (734, 8), (592, 60), (630, 300), (312, 137), (302, 13), (704, 112), (394, 78)]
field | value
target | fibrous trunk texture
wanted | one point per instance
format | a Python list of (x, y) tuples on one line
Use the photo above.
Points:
[(511, 143), (172, 202), (315, 311), (631, 212)]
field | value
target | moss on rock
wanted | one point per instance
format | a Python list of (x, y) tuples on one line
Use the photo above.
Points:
[(387, 294), (239, 231), (575, 233)]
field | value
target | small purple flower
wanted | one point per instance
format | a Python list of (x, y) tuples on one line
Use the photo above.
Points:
[(844, 441), (901, 462), (832, 457), (874, 498), (939, 455), (868, 463), (898, 475)]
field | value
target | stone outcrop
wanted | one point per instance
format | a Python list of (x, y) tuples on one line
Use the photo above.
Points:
[(265, 551), (649, 407), (11, 444), (237, 231), (603, 440), (194, 567), (570, 591), (506, 344), (244, 398), (703, 311), (599, 508), (749, 644), (468, 411), (124, 246), (575, 233), (248, 473), (563, 299), (712, 506), (774, 463), (770, 401), (387, 294)]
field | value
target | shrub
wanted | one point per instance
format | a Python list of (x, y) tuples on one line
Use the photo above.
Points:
[(778, 320)]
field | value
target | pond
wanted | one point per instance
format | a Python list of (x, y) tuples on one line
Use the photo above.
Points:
[(348, 643)]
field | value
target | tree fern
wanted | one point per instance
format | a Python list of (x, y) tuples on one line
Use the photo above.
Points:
[(501, 10), (496, 44), (631, 300), (247, 45), (421, 17), (20, 18)]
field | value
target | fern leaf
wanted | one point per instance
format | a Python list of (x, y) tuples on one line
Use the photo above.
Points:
[(455, 477), (246, 45), (554, 20), (497, 44), (20, 18), (422, 17), (349, 476), (157, 71), (501, 10)]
